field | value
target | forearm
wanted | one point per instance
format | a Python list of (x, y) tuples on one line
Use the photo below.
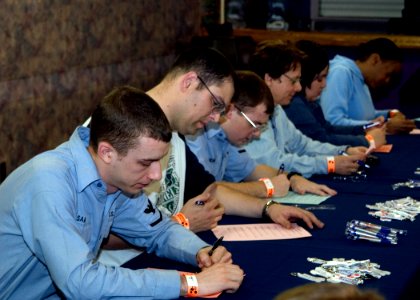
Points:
[(238, 203), (253, 188)]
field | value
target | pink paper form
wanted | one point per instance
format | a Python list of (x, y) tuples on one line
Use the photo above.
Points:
[(255, 232)]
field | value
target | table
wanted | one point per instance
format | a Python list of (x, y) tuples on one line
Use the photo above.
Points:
[(268, 264)]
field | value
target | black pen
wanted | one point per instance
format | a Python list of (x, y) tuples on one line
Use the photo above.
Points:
[(215, 245), (281, 169)]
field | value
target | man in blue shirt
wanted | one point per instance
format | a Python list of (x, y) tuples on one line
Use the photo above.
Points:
[(347, 99), (56, 210), (216, 146), (281, 143)]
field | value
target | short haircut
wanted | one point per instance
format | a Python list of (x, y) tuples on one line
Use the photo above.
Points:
[(211, 65), (315, 60), (125, 114), (275, 58), (385, 48), (250, 91), (328, 291)]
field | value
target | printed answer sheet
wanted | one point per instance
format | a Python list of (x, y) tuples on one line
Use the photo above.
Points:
[(293, 198), (259, 232)]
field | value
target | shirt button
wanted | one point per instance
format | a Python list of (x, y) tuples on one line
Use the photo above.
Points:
[(99, 185)]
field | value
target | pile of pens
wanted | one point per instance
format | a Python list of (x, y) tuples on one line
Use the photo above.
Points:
[(411, 183), (405, 208), (341, 270), (360, 230)]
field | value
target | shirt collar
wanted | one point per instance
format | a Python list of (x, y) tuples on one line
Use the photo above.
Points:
[(86, 171)]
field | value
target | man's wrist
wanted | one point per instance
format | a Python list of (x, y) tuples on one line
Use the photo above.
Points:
[(268, 186), (291, 174), (264, 213), (184, 286)]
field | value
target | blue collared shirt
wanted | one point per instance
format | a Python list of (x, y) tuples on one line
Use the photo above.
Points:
[(54, 214), (282, 144), (347, 100), (218, 156)]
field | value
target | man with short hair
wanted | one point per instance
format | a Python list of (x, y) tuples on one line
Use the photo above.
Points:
[(56, 209), (347, 99), (282, 144)]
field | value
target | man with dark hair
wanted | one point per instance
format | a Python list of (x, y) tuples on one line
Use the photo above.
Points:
[(306, 113), (281, 143), (184, 96), (217, 148), (56, 209), (347, 99)]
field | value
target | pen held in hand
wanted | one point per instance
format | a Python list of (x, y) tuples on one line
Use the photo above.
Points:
[(281, 169), (199, 202), (215, 245)]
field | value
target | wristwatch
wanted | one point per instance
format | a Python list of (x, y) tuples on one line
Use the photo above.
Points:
[(264, 213), (289, 175)]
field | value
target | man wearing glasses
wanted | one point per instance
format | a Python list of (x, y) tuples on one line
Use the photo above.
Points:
[(282, 144), (216, 146), (195, 91)]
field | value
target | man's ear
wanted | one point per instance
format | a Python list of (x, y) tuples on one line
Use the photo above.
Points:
[(229, 111), (268, 79), (106, 152), (188, 80), (374, 59)]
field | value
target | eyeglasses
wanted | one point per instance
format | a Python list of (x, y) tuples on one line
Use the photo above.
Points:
[(256, 127), (219, 106), (293, 81)]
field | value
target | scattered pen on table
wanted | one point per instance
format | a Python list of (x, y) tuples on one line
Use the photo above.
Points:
[(281, 169), (215, 245), (317, 207)]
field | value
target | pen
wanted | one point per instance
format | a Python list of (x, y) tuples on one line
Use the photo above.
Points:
[(281, 169), (359, 162), (215, 245), (370, 125)]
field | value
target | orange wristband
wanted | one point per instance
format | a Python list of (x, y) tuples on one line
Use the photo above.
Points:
[(371, 140), (393, 112), (330, 164), (192, 283), (269, 186), (182, 219)]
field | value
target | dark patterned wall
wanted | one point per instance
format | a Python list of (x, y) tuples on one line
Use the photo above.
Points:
[(59, 57)]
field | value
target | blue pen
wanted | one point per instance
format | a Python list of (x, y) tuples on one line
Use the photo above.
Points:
[(281, 169), (370, 125)]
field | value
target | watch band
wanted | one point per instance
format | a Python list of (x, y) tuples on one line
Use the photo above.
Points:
[(264, 213), (291, 174)]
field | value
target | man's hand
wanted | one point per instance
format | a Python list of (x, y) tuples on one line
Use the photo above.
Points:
[(378, 134), (284, 214), (357, 150), (399, 125), (301, 185), (281, 185), (220, 255), (346, 165), (217, 278), (205, 215)]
